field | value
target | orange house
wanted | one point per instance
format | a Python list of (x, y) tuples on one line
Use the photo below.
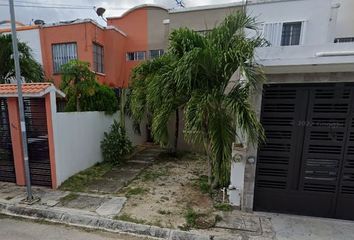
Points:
[(87, 41)]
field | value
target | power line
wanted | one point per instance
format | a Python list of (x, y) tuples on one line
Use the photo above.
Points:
[(57, 7), (31, 4), (46, 4)]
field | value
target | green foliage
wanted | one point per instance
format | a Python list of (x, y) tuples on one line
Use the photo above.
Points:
[(195, 75), (31, 70), (191, 217), (203, 184), (164, 212), (83, 91), (80, 181), (152, 175), (154, 91), (135, 191), (223, 207), (115, 144)]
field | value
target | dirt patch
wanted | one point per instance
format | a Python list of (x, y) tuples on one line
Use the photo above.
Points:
[(167, 191)]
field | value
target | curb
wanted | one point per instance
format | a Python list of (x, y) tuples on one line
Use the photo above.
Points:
[(95, 222)]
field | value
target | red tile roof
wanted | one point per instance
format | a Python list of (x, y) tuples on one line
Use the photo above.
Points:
[(27, 88)]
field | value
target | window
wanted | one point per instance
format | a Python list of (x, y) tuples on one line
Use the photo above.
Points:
[(136, 56), (344, 40), (62, 54), (291, 34), (156, 53), (98, 58), (284, 33)]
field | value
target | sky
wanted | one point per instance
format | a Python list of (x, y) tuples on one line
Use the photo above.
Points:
[(42, 9)]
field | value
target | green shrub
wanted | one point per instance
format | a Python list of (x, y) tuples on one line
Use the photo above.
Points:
[(203, 184), (115, 145), (223, 207)]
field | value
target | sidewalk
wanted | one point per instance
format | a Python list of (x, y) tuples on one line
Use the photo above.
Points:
[(98, 208), (97, 211)]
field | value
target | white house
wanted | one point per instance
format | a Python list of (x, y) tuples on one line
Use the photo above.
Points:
[(306, 165)]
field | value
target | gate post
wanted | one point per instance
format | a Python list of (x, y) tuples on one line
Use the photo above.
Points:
[(50, 106), (15, 130)]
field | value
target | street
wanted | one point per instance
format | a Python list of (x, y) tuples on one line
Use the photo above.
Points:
[(15, 229)]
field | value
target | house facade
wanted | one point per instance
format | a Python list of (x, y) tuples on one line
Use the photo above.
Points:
[(306, 165), (306, 107)]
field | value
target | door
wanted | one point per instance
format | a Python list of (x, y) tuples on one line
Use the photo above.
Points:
[(306, 166), (7, 166), (38, 144)]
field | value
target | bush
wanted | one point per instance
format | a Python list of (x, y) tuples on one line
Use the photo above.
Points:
[(115, 145)]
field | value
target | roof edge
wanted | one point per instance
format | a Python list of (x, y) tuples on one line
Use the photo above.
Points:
[(139, 7), (208, 7)]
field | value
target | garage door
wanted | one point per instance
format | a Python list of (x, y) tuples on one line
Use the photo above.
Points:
[(306, 165), (7, 166)]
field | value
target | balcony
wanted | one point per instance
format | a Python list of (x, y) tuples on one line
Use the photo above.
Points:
[(331, 57)]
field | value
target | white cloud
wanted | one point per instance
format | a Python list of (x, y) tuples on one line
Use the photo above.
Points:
[(114, 8)]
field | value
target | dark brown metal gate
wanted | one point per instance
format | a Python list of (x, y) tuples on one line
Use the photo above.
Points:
[(7, 166), (307, 164), (38, 145)]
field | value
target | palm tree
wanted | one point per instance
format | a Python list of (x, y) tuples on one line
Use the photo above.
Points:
[(218, 108), (195, 76), (30, 69), (154, 91)]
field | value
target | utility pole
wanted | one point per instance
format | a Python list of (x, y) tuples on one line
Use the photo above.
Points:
[(20, 100)]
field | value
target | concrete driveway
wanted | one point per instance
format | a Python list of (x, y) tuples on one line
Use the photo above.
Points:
[(291, 227)]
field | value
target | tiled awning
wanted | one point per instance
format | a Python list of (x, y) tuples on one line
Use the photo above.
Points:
[(29, 90)]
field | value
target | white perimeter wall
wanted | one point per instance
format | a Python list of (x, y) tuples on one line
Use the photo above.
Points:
[(77, 138)]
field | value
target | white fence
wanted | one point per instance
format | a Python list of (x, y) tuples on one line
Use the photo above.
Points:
[(77, 138)]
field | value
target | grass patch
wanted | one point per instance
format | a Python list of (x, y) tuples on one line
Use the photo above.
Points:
[(223, 207), (152, 175), (191, 217), (68, 198), (79, 182), (163, 212), (128, 218), (203, 184), (135, 191)]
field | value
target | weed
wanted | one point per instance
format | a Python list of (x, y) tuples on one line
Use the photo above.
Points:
[(8, 198), (191, 217), (79, 182), (152, 175), (135, 191), (203, 184), (163, 212), (223, 207)]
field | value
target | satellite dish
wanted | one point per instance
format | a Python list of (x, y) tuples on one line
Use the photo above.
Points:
[(100, 11)]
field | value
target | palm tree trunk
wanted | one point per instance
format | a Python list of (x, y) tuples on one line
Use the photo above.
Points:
[(210, 167), (176, 130), (78, 108)]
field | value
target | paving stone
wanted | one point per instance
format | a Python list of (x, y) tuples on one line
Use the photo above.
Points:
[(88, 203), (111, 207), (237, 221)]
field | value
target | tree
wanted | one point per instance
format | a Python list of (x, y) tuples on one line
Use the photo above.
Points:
[(219, 108), (31, 70), (82, 90), (154, 91), (195, 75)]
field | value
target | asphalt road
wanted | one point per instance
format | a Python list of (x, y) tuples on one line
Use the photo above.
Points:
[(15, 229)]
